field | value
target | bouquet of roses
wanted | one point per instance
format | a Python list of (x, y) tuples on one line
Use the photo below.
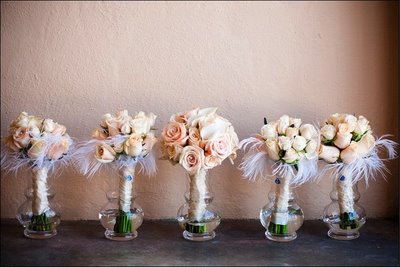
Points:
[(291, 149), (351, 151), (124, 141), (42, 145), (198, 140)]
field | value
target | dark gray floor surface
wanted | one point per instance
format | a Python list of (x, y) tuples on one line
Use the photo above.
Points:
[(238, 242)]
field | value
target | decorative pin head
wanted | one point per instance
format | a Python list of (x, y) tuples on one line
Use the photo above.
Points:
[(129, 177), (277, 181), (342, 178)]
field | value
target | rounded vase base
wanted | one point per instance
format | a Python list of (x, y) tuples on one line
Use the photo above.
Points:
[(198, 237), (39, 234), (343, 236), (280, 238), (120, 237)]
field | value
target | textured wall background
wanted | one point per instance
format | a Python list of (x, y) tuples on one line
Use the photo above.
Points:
[(75, 61)]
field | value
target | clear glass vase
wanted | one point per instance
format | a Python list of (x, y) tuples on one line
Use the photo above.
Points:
[(282, 216), (121, 216), (39, 214), (344, 216), (197, 216)]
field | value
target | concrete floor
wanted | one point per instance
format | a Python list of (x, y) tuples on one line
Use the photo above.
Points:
[(238, 242)]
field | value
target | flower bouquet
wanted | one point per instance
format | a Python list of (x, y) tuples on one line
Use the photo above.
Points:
[(121, 142), (290, 148), (198, 140), (41, 145), (351, 151)]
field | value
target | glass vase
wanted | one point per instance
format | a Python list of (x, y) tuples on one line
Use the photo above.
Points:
[(197, 216), (39, 214), (121, 216), (344, 216), (282, 216)]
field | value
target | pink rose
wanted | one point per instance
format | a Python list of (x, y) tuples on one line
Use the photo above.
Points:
[(175, 133), (192, 159), (219, 147), (211, 161)]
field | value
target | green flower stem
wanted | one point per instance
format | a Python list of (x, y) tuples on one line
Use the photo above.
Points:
[(277, 229), (123, 223), (347, 221), (39, 223), (200, 228)]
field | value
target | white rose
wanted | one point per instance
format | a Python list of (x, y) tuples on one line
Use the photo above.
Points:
[(350, 154), (291, 156), (133, 145), (362, 125), (292, 132), (212, 126), (329, 153), (311, 149), (104, 153), (308, 131), (336, 118), (283, 123), (299, 143), (105, 120), (351, 121), (328, 132), (126, 128), (342, 140), (294, 122), (344, 128), (48, 125), (269, 131), (142, 123), (192, 159), (272, 149), (284, 142), (34, 131), (366, 144), (194, 117)]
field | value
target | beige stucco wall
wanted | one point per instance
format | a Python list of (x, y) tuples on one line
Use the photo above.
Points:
[(75, 61)]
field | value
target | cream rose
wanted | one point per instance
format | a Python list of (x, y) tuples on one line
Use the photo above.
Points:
[(212, 126), (269, 131), (294, 122), (292, 132), (366, 144), (350, 154), (99, 134), (272, 149), (283, 123), (351, 121), (21, 137), (342, 140), (192, 159), (37, 150), (173, 151), (104, 153), (175, 133), (126, 128), (142, 123), (329, 153), (59, 129), (133, 145), (362, 125), (308, 131), (328, 132), (57, 150), (284, 142), (299, 143), (291, 156), (107, 118), (311, 149), (336, 118), (34, 131), (201, 114), (148, 144), (48, 125), (9, 141)]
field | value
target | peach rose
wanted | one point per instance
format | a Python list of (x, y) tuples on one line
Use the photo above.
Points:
[(192, 159), (175, 133), (211, 161), (194, 136), (104, 153), (219, 147), (21, 137), (342, 140), (133, 145), (57, 150), (272, 149), (9, 141), (173, 151), (350, 154), (99, 134)]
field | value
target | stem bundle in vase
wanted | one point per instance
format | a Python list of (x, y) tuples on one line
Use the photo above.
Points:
[(351, 153), (123, 222)]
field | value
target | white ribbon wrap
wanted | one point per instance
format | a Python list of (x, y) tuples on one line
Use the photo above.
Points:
[(282, 194), (345, 193), (125, 188), (40, 202), (197, 190)]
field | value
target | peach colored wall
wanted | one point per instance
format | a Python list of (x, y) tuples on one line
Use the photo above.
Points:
[(75, 61)]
